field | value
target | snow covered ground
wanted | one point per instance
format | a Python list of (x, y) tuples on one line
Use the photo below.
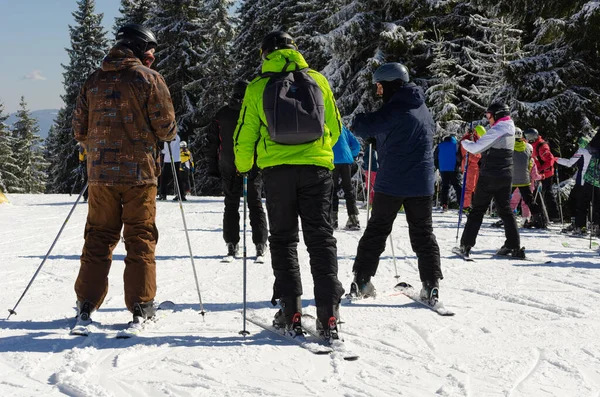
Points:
[(521, 328)]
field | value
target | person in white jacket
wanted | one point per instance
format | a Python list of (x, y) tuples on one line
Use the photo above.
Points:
[(495, 181), (579, 202), (167, 170)]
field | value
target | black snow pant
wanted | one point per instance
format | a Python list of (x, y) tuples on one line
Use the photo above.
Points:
[(579, 204), (233, 189), (527, 197), (344, 171), (305, 191), (588, 191), (450, 178), (550, 200), (420, 232), (167, 178), (489, 188)]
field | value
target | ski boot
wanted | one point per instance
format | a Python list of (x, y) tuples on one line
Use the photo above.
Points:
[(84, 312), (361, 288), (353, 223), (261, 249), (499, 223), (430, 291), (511, 252), (289, 317), (463, 251), (143, 311), (330, 316), (233, 249)]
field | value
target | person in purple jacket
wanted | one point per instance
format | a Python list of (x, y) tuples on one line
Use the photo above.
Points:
[(344, 152)]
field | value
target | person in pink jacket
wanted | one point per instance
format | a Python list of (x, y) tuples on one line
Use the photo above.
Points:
[(473, 169)]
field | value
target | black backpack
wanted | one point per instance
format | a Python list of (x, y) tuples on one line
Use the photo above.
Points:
[(294, 107)]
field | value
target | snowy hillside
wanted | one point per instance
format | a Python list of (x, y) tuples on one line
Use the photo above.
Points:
[(521, 328)]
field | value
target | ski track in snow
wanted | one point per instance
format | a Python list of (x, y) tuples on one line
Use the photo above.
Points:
[(521, 329)]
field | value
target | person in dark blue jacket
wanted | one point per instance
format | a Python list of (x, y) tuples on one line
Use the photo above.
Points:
[(344, 151), (404, 128), (447, 161)]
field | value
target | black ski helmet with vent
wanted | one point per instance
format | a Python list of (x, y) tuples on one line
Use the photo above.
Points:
[(391, 72), (277, 40), (498, 110), (531, 134), (137, 38)]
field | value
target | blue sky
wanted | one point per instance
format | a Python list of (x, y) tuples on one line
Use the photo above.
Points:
[(33, 38)]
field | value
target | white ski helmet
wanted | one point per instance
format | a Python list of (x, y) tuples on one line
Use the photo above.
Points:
[(183, 144)]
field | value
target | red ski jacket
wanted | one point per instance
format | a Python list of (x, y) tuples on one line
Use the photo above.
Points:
[(543, 157)]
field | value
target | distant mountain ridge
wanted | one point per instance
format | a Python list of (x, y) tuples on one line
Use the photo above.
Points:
[(44, 117)]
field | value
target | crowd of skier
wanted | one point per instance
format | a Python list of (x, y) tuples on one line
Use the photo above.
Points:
[(282, 132)]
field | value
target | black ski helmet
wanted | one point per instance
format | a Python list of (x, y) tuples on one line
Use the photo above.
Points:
[(239, 90), (277, 40), (137, 38), (531, 134), (498, 110), (390, 72)]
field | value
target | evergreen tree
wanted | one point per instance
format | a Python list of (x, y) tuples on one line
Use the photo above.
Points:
[(28, 153), (441, 95), (557, 86), (213, 87), (179, 30), (88, 47), (249, 37), (134, 11), (493, 43), (214, 65), (8, 166)]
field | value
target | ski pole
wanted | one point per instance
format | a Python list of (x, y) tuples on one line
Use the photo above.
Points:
[(559, 198), (592, 216), (437, 190), (542, 203), (178, 192), (462, 195), (244, 332), (193, 183), (11, 312), (394, 256), (369, 180)]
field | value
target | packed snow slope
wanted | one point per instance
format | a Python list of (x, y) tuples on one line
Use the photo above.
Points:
[(521, 328)]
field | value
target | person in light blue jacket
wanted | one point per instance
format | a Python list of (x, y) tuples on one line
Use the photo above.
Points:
[(344, 152)]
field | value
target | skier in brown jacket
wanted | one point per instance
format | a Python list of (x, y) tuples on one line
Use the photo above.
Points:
[(123, 110)]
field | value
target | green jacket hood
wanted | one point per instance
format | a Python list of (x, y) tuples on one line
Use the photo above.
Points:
[(275, 61)]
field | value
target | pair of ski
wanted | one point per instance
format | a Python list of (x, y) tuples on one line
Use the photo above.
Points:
[(230, 258), (457, 252), (311, 340), (133, 329), (410, 292)]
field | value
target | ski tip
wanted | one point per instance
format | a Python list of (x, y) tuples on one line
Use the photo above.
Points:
[(166, 305), (402, 285)]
